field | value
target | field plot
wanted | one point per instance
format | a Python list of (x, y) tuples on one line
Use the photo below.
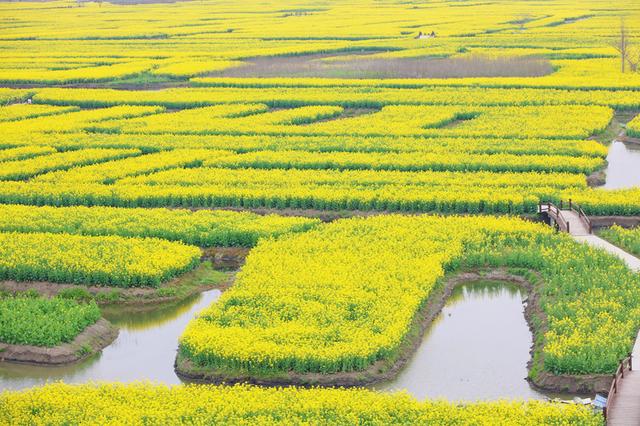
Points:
[(324, 176)]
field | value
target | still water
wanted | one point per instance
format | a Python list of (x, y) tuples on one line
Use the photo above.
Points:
[(144, 350), (476, 349), (623, 170)]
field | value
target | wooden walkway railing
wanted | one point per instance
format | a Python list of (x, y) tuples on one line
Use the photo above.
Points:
[(581, 214), (625, 365), (556, 213)]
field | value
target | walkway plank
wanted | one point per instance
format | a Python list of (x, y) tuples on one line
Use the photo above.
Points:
[(577, 226), (625, 410)]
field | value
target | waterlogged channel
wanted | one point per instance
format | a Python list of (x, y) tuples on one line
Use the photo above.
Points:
[(623, 168), (144, 350), (477, 348)]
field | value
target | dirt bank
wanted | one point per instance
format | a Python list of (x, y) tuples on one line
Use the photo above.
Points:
[(384, 370), (203, 278), (92, 340), (226, 258)]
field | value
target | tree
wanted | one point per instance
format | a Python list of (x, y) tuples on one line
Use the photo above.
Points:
[(621, 44)]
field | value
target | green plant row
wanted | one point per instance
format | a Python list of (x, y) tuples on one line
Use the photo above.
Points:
[(107, 260), (627, 239), (44, 322), (202, 228), (145, 403), (369, 97), (251, 143), (409, 162)]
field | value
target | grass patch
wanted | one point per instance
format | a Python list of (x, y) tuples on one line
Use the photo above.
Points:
[(44, 322)]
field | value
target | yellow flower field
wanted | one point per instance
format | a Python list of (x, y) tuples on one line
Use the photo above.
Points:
[(141, 139), (118, 404)]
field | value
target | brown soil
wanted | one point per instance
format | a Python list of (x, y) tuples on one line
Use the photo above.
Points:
[(597, 178), (92, 340), (628, 139), (384, 370), (371, 67), (226, 258)]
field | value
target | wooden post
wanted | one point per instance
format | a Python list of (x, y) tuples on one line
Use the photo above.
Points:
[(570, 206), (568, 229), (560, 204)]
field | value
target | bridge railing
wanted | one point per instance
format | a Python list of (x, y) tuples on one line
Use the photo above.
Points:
[(625, 365), (581, 214), (556, 213)]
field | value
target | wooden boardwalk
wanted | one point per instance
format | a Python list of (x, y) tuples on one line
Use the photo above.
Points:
[(624, 409)]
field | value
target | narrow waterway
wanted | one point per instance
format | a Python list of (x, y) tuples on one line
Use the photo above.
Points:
[(144, 350), (623, 169), (476, 349)]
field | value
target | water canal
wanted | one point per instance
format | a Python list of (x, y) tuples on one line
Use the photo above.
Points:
[(623, 169), (477, 348), (144, 350)]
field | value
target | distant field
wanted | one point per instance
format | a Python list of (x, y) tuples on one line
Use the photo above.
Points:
[(145, 139)]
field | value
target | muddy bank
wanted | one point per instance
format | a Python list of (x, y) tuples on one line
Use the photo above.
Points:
[(597, 178), (629, 139), (194, 282), (226, 258), (92, 340), (384, 370)]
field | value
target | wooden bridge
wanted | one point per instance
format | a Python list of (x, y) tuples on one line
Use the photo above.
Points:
[(568, 217)]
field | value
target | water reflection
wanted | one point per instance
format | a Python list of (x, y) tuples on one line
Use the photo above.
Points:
[(144, 350), (623, 170), (476, 349)]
